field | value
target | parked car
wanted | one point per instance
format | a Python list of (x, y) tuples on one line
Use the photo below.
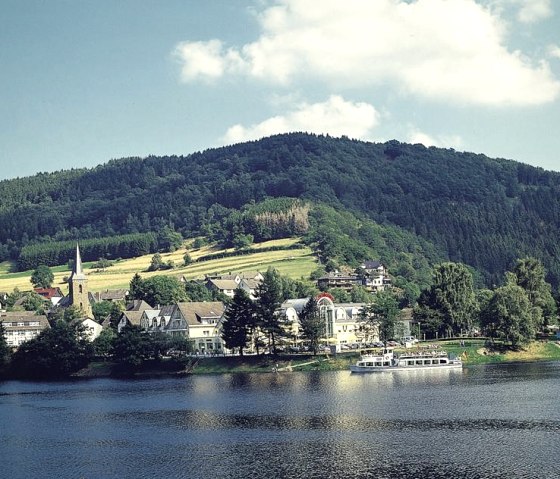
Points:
[(393, 344)]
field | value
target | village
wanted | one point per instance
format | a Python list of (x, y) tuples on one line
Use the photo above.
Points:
[(200, 322)]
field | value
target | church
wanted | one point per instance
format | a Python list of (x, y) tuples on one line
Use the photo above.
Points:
[(79, 296), (77, 284)]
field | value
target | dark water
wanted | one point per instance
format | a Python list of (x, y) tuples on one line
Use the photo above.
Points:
[(499, 421)]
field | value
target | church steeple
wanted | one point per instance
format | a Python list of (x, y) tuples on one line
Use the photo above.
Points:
[(78, 286)]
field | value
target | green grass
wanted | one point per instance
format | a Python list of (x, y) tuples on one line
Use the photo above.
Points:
[(294, 263)]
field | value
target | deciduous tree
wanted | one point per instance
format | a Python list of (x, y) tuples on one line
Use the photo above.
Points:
[(42, 277)]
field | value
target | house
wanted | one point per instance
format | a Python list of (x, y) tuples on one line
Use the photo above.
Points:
[(224, 286), (344, 324), (375, 275), (203, 323), (250, 285), (93, 328), (133, 314), (113, 295), (22, 326), (339, 280), (3, 300), (160, 320), (228, 283), (54, 295)]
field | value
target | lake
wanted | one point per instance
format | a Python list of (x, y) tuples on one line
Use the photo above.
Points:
[(497, 421)]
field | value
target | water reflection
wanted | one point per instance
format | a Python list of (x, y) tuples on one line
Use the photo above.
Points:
[(483, 422)]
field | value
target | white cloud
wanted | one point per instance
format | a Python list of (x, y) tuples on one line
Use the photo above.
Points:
[(525, 11), (554, 51), (453, 51), (205, 59), (532, 11), (335, 116), (445, 141)]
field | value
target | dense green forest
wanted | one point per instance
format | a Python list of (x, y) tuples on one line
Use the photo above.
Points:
[(407, 203)]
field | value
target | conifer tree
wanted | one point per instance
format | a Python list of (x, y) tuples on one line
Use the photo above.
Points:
[(238, 321), (312, 325)]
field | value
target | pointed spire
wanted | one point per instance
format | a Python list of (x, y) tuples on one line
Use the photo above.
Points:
[(78, 261), (77, 270)]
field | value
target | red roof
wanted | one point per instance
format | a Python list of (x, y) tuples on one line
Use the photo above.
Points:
[(49, 292)]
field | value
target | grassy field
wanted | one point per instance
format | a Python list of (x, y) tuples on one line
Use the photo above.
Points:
[(294, 263)]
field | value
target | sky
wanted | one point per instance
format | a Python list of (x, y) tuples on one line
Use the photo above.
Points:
[(86, 81)]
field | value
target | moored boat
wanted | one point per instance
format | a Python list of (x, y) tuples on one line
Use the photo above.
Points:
[(386, 360)]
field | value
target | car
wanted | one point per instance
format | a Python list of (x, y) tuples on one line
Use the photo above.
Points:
[(393, 344)]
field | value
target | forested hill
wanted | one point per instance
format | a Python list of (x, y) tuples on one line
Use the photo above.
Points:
[(481, 211)]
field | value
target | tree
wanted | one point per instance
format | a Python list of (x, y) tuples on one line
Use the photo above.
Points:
[(382, 313), (157, 263), (451, 297), (103, 344), (530, 275), (268, 300), (56, 352), (42, 277), (102, 309), (169, 240), (161, 290), (239, 319), (31, 301), (507, 315), (135, 290), (359, 294), (340, 295), (312, 324), (242, 241), (197, 291), (4, 348), (131, 347), (102, 264), (187, 259)]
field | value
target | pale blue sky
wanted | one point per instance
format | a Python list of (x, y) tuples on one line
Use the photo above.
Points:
[(85, 81)]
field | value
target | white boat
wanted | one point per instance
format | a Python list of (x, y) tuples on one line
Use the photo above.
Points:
[(386, 360)]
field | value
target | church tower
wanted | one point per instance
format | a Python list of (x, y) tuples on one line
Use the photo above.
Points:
[(78, 286)]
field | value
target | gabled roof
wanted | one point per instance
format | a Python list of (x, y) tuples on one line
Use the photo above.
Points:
[(26, 317), (222, 284), (138, 305), (133, 317), (49, 292), (251, 283), (297, 304), (250, 275), (109, 295), (194, 311)]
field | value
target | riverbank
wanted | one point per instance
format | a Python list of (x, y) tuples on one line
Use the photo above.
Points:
[(471, 351)]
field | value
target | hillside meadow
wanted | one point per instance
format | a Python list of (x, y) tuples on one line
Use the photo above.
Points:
[(293, 263)]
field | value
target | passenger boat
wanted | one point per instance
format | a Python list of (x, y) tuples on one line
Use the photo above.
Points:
[(386, 360)]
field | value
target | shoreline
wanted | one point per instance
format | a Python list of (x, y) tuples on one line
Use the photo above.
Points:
[(473, 353)]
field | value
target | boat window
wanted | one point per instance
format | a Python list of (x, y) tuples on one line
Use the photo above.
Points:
[(378, 363), (369, 364), (410, 363), (442, 361), (419, 362)]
